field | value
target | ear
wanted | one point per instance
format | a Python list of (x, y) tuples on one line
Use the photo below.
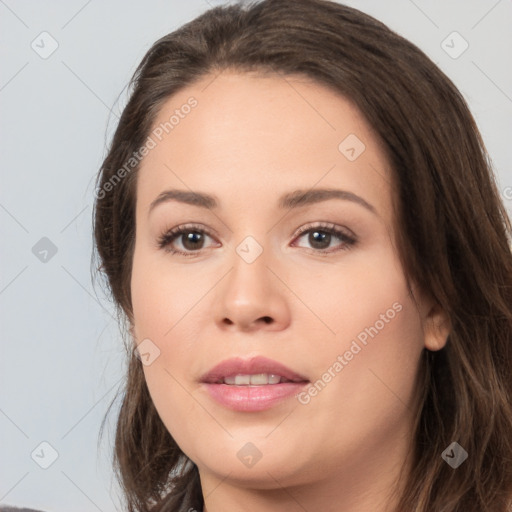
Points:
[(436, 327), (435, 322)]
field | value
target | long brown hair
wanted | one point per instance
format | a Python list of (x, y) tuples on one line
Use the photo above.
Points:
[(454, 236)]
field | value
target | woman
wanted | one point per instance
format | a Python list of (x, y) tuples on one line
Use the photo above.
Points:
[(298, 220)]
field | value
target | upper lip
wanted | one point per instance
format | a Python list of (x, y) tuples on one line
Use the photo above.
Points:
[(253, 366)]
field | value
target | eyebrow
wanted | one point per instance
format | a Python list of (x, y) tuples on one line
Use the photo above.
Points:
[(295, 199)]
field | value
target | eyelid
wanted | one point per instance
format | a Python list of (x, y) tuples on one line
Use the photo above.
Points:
[(348, 233)]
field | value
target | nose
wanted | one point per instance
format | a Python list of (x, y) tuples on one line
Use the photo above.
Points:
[(251, 297)]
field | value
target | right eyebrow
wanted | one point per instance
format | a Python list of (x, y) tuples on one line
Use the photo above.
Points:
[(184, 196)]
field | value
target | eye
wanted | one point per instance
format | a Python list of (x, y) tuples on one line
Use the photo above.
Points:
[(191, 238), (320, 238)]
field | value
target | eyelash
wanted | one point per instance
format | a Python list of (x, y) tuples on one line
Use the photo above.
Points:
[(166, 239)]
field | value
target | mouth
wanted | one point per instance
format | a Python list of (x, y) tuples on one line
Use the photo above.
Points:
[(252, 385), (258, 379)]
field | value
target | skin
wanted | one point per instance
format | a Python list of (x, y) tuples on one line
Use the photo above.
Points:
[(250, 139)]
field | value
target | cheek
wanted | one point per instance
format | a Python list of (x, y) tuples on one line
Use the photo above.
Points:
[(168, 320), (162, 295), (365, 297), (375, 352)]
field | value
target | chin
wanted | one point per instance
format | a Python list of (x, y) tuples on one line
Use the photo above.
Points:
[(260, 464)]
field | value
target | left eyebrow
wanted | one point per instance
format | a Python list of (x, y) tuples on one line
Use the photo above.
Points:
[(300, 198)]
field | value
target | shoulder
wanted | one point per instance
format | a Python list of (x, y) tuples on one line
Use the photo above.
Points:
[(5, 508)]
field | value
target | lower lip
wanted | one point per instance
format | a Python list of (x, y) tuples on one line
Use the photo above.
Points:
[(253, 398)]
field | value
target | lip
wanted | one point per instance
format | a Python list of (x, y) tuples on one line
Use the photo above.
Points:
[(251, 398)]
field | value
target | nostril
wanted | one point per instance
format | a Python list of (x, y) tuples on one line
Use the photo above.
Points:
[(267, 319)]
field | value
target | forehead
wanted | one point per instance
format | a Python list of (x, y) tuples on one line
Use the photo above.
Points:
[(262, 134)]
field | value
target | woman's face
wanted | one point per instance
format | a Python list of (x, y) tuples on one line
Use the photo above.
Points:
[(291, 257)]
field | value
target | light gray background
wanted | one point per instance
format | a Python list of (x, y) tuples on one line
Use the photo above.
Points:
[(61, 353)]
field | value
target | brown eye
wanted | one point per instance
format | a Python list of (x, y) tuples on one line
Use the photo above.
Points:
[(320, 238), (192, 240), (184, 240)]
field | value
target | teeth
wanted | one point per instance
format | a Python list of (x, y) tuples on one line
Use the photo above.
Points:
[(260, 379), (242, 380), (274, 379)]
